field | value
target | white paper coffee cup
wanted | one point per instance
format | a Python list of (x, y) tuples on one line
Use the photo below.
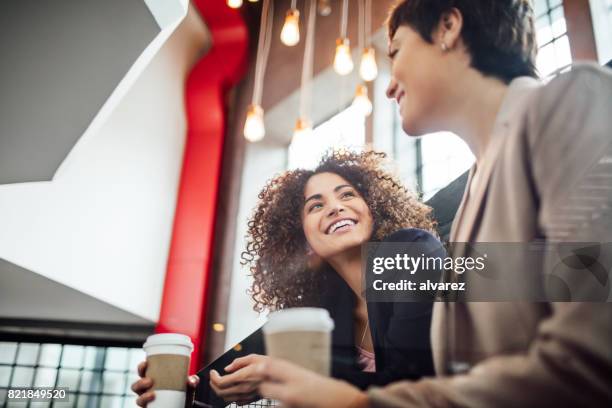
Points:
[(168, 365), (301, 335)]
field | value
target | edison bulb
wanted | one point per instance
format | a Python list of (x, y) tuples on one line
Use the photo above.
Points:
[(362, 103), (302, 129), (368, 69), (324, 8), (254, 129), (290, 34), (234, 3), (343, 62)]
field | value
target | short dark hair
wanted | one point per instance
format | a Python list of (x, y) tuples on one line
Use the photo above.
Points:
[(499, 34)]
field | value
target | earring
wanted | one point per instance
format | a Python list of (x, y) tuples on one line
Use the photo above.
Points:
[(444, 47)]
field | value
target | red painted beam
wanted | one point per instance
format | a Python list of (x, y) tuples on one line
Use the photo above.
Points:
[(184, 301)]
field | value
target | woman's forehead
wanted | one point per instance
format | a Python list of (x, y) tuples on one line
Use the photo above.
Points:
[(322, 183)]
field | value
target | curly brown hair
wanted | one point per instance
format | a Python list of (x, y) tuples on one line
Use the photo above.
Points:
[(276, 251)]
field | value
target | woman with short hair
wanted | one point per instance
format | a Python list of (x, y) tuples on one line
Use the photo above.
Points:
[(542, 173)]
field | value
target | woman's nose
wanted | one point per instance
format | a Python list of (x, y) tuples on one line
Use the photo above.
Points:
[(391, 89), (336, 209)]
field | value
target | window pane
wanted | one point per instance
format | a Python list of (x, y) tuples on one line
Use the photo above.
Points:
[(406, 160), (543, 31), (114, 383), (8, 351), (445, 156), (91, 381), (130, 400), (27, 354), (116, 359), (87, 401), (72, 356), (45, 377), (562, 52), (67, 404), (94, 358), (558, 22), (50, 355), (40, 404), (106, 376), (14, 404), (551, 36), (345, 130), (132, 378), (136, 356), (5, 375), (546, 60), (68, 378), (111, 402), (22, 377), (539, 7)]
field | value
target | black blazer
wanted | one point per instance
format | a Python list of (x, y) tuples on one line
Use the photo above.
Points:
[(400, 333)]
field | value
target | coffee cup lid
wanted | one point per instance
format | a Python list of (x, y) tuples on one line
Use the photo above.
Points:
[(299, 319), (169, 339)]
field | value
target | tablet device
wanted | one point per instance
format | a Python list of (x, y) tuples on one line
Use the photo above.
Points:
[(205, 396)]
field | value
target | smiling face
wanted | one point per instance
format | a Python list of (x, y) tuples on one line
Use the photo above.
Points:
[(335, 217), (419, 80)]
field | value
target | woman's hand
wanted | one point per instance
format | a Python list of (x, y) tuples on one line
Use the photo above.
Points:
[(297, 387), (240, 385), (143, 386)]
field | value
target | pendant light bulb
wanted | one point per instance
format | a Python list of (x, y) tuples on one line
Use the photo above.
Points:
[(290, 34), (254, 129), (234, 3), (324, 8), (302, 129), (368, 69), (362, 103), (343, 62)]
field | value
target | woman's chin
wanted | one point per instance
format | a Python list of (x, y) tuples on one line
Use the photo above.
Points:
[(414, 127), (349, 244)]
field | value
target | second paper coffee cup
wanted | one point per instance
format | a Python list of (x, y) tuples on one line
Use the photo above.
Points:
[(301, 335), (168, 365)]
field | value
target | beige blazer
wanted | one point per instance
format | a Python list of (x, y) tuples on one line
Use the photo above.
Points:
[(550, 151)]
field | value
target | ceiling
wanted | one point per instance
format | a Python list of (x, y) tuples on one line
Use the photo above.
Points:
[(61, 60)]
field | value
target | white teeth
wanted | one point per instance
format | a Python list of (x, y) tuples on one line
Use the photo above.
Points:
[(340, 224)]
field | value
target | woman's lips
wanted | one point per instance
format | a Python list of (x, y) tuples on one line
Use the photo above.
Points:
[(341, 224), (400, 97), (343, 229)]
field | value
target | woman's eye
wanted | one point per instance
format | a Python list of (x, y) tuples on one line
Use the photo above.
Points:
[(348, 194), (392, 54), (314, 207)]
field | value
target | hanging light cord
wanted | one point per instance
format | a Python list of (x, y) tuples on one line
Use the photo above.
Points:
[(361, 28), (263, 49), (344, 18), (307, 68), (293, 4), (368, 23)]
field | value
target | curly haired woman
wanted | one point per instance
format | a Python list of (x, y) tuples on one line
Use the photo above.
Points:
[(304, 249)]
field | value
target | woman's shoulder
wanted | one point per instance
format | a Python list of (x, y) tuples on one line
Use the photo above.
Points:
[(421, 241), (577, 96), (411, 235)]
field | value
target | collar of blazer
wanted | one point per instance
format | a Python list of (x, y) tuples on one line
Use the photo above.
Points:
[(508, 118)]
